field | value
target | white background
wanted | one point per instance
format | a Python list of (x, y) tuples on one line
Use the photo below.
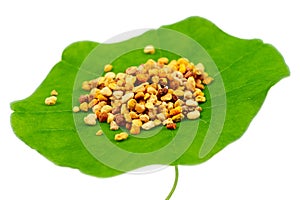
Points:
[(263, 164)]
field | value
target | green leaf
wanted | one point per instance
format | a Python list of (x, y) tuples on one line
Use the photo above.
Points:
[(244, 71)]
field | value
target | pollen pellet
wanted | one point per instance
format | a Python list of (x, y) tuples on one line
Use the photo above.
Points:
[(176, 111), (108, 68), (140, 108), (166, 97), (193, 115), (154, 93), (135, 129), (149, 49), (90, 119), (157, 122), (76, 109), (106, 108), (171, 126), (84, 106), (144, 118), (163, 60), (99, 133), (86, 86), (178, 117), (51, 100), (110, 117), (207, 80), (148, 125), (191, 102), (114, 126), (167, 121), (200, 99), (53, 93), (121, 136), (110, 75), (131, 104), (127, 96), (106, 91)]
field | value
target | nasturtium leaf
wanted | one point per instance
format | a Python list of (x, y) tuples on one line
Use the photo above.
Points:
[(244, 71)]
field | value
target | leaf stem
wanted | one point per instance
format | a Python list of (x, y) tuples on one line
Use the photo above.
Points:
[(175, 183)]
